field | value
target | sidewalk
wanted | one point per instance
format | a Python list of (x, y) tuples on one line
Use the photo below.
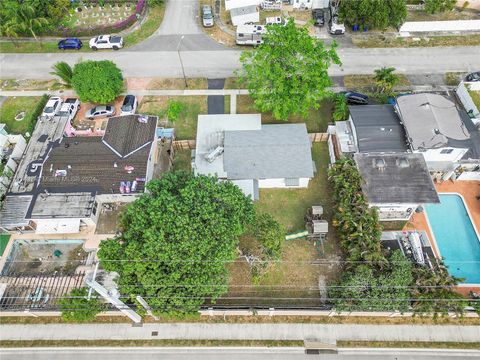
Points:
[(200, 92), (198, 331)]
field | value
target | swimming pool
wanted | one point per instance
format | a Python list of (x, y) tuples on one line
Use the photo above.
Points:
[(455, 236)]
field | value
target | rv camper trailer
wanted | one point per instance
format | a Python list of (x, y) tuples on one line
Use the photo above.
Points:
[(250, 34)]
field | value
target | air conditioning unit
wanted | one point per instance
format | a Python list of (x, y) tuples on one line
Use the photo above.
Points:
[(212, 155)]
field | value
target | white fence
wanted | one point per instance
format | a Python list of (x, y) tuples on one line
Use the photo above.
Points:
[(466, 99), (271, 5), (454, 26)]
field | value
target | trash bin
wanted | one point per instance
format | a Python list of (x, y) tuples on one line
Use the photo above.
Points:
[(355, 28)]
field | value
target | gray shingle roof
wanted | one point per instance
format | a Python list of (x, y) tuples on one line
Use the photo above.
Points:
[(378, 129), (431, 120), (251, 9), (126, 134), (275, 151), (404, 178)]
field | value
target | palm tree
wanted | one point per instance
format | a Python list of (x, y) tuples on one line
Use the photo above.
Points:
[(29, 21), (64, 71), (10, 29), (386, 79)]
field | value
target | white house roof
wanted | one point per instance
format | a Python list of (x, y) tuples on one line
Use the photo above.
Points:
[(210, 134), (252, 151), (232, 4), (430, 120), (275, 151)]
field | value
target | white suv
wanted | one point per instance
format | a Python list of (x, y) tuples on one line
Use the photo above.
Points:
[(52, 107)]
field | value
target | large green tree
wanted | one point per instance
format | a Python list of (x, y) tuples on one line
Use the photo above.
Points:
[(176, 239), (367, 288), (373, 14), (97, 81), (288, 73)]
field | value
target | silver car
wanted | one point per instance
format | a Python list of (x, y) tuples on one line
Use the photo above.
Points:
[(100, 111), (207, 16)]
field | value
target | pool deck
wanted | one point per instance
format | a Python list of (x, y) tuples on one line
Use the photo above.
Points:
[(469, 189)]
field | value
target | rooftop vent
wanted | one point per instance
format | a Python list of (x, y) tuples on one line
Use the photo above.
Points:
[(403, 162), (379, 164)]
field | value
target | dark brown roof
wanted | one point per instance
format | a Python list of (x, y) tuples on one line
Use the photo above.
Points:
[(126, 134), (90, 164)]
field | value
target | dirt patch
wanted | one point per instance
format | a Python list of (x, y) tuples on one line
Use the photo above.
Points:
[(46, 258)]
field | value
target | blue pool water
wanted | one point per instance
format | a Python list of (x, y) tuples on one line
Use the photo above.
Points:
[(455, 237)]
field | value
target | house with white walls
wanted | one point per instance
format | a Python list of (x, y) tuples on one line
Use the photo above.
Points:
[(396, 184), (238, 148), (439, 129)]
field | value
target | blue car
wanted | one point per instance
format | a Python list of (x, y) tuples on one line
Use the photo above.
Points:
[(70, 43)]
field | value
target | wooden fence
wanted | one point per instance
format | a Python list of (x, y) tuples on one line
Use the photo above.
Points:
[(184, 144), (318, 137), (190, 144)]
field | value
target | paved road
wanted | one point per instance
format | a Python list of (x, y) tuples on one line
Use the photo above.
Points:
[(222, 63), (198, 331), (181, 19), (230, 353)]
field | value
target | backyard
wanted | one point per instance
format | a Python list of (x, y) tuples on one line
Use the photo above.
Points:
[(296, 277), (14, 106), (186, 125)]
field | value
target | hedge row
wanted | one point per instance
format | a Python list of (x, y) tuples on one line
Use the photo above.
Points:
[(37, 112), (104, 29)]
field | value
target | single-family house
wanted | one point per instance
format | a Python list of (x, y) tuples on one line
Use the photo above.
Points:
[(396, 184), (65, 180), (237, 147), (310, 4), (439, 129), (370, 129)]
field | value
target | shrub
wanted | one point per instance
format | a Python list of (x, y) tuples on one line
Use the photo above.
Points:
[(174, 109), (37, 112), (341, 111), (76, 307), (97, 81)]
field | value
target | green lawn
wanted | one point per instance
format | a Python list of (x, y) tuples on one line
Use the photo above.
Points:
[(3, 242), (153, 22), (362, 82), (317, 120), (289, 206), (186, 125), (475, 95), (182, 160), (14, 105)]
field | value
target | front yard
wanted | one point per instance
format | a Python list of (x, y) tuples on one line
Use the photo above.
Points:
[(316, 121), (15, 105), (186, 125)]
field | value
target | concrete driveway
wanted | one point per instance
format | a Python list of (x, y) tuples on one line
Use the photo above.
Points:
[(181, 19)]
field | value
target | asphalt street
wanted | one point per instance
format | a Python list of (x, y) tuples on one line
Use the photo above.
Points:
[(223, 63), (230, 353)]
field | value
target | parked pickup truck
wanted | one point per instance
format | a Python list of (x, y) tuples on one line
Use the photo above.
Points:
[(69, 108), (106, 42)]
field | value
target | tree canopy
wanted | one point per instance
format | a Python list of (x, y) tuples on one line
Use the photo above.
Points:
[(288, 73), (97, 81), (77, 308), (176, 239), (436, 6), (373, 14)]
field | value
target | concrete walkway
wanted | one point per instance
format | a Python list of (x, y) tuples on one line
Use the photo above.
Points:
[(200, 92), (189, 331)]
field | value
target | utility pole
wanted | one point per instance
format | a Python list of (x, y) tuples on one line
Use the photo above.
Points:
[(181, 62)]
